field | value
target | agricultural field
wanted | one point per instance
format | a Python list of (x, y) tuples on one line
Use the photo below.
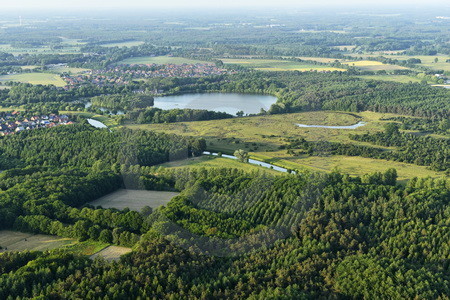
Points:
[(66, 49), (427, 60), (123, 44), (368, 65), (112, 253), (262, 137), (208, 161), (35, 78), (134, 199), (326, 60), (159, 60), (277, 65), (28, 67), (62, 69), (19, 241), (344, 47)]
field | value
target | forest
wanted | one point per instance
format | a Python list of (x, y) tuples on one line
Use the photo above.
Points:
[(232, 231)]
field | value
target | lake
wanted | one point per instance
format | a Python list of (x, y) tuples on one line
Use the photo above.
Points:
[(252, 161), (96, 124), (219, 102), (354, 126)]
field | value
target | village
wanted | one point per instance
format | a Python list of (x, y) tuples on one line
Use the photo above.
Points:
[(13, 122), (123, 74)]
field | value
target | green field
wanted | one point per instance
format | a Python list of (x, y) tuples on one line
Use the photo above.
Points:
[(35, 78), (21, 241), (262, 136), (269, 132), (134, 199), (277, 65), (368, 65), (61, 69), (123, 44), (108, 120), (112, 253), (160, 60), (353, 165), (326, 60), (208, 161), (427, 60), (66, 49)]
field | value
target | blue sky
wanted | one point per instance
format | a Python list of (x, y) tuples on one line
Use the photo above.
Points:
[(207, 3)]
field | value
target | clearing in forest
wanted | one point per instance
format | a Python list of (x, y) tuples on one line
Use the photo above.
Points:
[(134, 199)]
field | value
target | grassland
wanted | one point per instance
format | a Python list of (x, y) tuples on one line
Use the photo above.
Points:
[(66, 49), (262, 136), (87, 248), (352, 165), (265, 133), (216, 162), (28, 67), (19, 241), (160, 60), (35, 78), (427, 60), (368, 65), (326, 60), (112, 253), (134, 199), (123, 44), (108, 120), (61, 69), (278, 65)]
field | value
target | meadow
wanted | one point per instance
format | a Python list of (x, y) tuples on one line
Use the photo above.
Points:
[(352, 165), (134, 199), (208, 161), (63, 69), (427, 60), (262, 137), (35, 78), (159, 60), (21, 241), (68, 48), (368, 65), (112, 253), (277, 65), (326, 60)]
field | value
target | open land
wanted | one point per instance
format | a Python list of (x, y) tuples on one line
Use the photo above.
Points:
[(134, 199)]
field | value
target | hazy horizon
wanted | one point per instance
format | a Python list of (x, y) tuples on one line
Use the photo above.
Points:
[(174, 4)]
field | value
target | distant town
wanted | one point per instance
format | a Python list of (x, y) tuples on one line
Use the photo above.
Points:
[(13, 122), (123, 74)]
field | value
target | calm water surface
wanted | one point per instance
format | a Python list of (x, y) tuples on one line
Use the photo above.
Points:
[(229, 103)]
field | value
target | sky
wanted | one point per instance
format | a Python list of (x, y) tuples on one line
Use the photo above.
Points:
[(86, 4)]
